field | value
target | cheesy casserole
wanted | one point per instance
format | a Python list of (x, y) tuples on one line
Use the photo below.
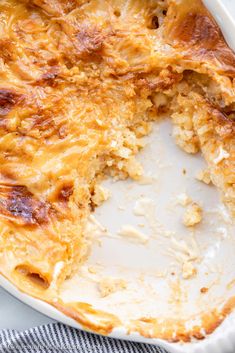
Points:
[(80, 82)]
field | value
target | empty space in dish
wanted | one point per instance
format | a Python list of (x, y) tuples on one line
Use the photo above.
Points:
[(143, 261)]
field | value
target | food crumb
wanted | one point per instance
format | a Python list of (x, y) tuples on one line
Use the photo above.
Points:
[(204, 290), (204, 176), (92, 269), (101, 194), (188, 270), (111, 285), (133, 233), (183, 199), (192, 215)]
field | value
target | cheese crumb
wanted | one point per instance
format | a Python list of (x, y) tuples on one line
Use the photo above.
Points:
[(134, 168), (204, 176), (143, 206), (101, 194), (93, 269), (192, 215), (183, 199), (133, 233), (188, 270), (110, 285)]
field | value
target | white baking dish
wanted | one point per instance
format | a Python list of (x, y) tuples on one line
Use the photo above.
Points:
[(119, 256)]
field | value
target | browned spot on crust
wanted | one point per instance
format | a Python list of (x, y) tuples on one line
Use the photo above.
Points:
[(44, 123), (65, 192), (89, 41), (6, 50), (194, 29), (164, 81), (198, 29), (20, 206), (154, 23), (49, 77), (8, 99), (226, 118), (224, 125)]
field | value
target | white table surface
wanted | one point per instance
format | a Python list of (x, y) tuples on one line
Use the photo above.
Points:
[(18, 316)]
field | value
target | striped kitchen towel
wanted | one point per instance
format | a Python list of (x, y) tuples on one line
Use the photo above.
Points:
[(59, 338)]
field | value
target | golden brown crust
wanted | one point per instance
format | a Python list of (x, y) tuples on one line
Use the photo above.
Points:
[(8, 99), (19, 205)]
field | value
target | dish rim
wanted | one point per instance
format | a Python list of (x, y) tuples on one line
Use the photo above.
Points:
[(220, 343)]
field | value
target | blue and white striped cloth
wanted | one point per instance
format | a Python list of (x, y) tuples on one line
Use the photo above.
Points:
[(59, 338)]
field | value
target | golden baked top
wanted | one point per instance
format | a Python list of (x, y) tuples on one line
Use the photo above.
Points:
[(79, 83)]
